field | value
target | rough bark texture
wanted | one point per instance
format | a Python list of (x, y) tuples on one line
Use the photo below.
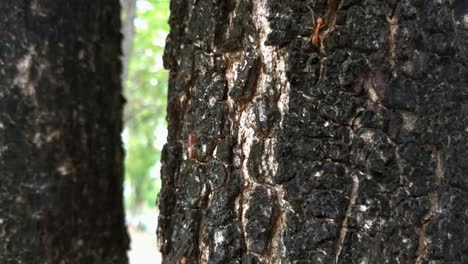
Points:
[(60, 123), (351, 152)]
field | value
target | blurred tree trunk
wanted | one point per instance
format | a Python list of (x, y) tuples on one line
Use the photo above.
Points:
[(129, 9), (353, 152), (60, 123)]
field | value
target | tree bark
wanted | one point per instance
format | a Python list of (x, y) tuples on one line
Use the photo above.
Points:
[(129, 8), (354, 151), (60, 123)]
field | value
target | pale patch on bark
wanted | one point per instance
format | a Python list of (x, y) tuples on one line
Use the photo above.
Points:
[(283, 102), (23, 78), (232, 62), (3, 149), (218, 238), (37, 139), (392, 39), (409, 121), (272, 75), (246, 138), (369, 86), (65, 168), (269, 165), (367, 136), (37, 9), (53, 136)]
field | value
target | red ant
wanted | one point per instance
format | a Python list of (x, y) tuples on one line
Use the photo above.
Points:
[(329, 16), (315, 38)]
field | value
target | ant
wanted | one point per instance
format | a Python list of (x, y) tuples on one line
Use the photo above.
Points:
[(315, 38), (330, 14)]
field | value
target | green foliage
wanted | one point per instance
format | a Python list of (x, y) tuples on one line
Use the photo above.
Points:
[(146, 93)]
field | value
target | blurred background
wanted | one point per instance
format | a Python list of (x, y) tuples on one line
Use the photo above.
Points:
[(145, 27)]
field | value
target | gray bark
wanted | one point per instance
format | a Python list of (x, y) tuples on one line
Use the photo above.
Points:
[(129, 9), (354, 151), (60, 123)]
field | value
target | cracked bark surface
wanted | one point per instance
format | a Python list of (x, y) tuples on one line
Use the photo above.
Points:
[(351, 152), (60, 124)]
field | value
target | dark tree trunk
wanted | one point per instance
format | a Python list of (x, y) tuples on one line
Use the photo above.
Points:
[(351, 152), (60, 123)]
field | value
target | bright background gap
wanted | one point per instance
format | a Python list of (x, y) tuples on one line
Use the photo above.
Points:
[(145, 128)]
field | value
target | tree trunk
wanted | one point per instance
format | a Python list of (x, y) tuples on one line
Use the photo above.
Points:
[(128, 31), (60, 123), (354, 151)]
